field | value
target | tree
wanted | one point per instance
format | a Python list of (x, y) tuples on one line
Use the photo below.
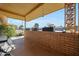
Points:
[(36, 25), (21, 27)]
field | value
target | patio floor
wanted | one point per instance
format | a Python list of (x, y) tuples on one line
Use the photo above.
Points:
[(30, 50)]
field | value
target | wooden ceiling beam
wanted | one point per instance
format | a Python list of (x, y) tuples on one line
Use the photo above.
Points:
[(11, 12), (37, 6)]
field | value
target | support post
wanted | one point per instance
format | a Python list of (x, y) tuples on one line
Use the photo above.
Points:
[(70, 17), (78, 17), (25, 23)]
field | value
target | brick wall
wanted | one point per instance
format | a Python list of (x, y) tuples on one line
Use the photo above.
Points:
[(66, 43)]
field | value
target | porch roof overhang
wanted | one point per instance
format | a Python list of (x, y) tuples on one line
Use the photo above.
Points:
[(28, 11)]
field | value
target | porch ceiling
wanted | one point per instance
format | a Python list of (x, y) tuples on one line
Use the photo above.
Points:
[(28, 11)]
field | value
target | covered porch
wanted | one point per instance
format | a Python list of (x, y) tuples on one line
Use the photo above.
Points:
[(42, 43)]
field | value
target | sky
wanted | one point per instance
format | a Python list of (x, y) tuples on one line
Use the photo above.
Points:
[(56, 18)]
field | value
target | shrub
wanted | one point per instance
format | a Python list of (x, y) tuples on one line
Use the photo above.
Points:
[(1, 28), (8, 30)]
